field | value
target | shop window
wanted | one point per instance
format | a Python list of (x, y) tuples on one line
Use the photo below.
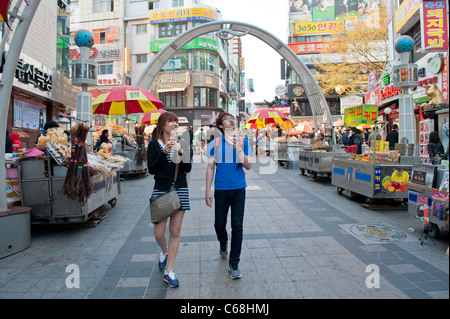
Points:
[(102, 37), (105, 68), (141, 58), (173, 99), (178, 63), (204, 61), (172, 29), (153, 5), (102, 6), (141, 28), (205, 97), (177, 3)]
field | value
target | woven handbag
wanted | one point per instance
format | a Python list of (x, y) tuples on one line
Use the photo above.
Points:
[(165, 205)]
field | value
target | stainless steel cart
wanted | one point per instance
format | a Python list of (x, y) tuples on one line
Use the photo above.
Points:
[(366, 178), (129, 167), (41, 185)]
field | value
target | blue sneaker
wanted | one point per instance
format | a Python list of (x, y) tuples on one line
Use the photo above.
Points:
[(171, 278), (235, 273), (162, 261)]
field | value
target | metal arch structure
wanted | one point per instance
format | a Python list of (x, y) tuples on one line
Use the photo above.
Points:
[(229, 29)]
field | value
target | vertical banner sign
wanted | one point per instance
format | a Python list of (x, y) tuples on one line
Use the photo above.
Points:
[(445, 79), (434, 25), (377, 182)]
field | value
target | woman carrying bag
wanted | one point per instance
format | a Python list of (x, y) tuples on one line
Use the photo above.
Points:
[(162, 155)]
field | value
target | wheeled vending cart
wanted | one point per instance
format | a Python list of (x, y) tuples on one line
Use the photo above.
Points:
[(41, 185), (429, 190), (373, 180)]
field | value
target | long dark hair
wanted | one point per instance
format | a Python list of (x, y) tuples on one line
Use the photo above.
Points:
[(162, 120)]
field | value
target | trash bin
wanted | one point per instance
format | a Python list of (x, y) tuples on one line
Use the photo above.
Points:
[(15, 230)]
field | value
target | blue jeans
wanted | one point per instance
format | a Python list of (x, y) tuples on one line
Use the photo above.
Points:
[(224, 199)]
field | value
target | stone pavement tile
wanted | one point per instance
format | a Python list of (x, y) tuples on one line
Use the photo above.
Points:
[(128, 293), (183, 293), (18, 285), (156, 293), (212, 292), (274, 275), (418, 277), (404, 268), (416, 293), (139, 269), (315, 289), (133, 282), (439, 294), (432, 286), (50, 285), (282, 290), (320, 261), (248, 290), (303, 274)]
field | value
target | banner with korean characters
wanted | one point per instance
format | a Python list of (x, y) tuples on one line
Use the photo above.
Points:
[(434, 25), (302, 28), (361, 114)]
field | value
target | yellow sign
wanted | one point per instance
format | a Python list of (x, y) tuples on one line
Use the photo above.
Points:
[(319, 27), (406, 10), (183, 15)]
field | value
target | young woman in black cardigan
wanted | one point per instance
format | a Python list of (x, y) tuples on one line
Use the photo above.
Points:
[(162, 154)]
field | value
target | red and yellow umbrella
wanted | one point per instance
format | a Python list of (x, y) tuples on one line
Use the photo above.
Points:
[(125, 99), (151, 117), (265, 116)]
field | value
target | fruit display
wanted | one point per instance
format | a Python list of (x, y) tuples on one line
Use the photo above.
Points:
[(397, 182)]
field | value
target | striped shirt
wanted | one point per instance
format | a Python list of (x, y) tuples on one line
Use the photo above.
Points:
[(183, 193)]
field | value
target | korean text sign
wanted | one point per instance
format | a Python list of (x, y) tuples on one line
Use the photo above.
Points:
[(434, 25), (361, 114)]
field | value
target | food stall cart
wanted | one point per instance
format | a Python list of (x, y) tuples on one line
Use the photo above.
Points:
[(315, 161), (42, 178), (378, 173), (429, 189), (126, 146)]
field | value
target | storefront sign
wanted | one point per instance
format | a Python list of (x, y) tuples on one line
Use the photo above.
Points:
[(127, 61), (284, 110), (295, 91), (183, 15), (406, 10), (309, 47), (108, 79), (434, 25), (390, 92), (445, 79), (98, 54), (429, 81), (319, 27), (361, 114), (374, 96), (29, 74), (196, 44)]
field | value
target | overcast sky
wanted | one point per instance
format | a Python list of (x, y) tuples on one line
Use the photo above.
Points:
[(262, 63)]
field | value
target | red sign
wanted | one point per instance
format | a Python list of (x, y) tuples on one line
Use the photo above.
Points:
[(284, 110), (390, 92), (309, 47), (434, 25), (374, 96), (445, 79)]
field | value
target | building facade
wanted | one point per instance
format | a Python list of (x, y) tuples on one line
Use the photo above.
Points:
[(42, 88), (312, 23), (197, 82)]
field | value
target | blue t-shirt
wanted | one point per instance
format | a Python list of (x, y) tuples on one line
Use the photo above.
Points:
[(229, 172)]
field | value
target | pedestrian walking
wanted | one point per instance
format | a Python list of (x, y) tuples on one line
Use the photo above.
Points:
[(392, 137), (228, 155), (162, 154), (201, 140), (346, 136)]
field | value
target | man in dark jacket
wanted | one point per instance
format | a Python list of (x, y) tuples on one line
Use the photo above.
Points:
[(392, 137)]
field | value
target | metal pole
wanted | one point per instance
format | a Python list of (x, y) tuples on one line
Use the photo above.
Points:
[(6, 87)]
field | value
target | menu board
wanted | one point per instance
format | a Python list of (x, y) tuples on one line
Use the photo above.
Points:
[(425, 128), (28, 115)]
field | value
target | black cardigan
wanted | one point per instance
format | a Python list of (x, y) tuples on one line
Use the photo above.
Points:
[(158, 165)]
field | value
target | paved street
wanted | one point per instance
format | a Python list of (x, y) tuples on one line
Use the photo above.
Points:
[(299, 242)]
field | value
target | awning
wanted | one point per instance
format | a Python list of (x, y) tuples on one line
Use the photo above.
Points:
[(171, 90)]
